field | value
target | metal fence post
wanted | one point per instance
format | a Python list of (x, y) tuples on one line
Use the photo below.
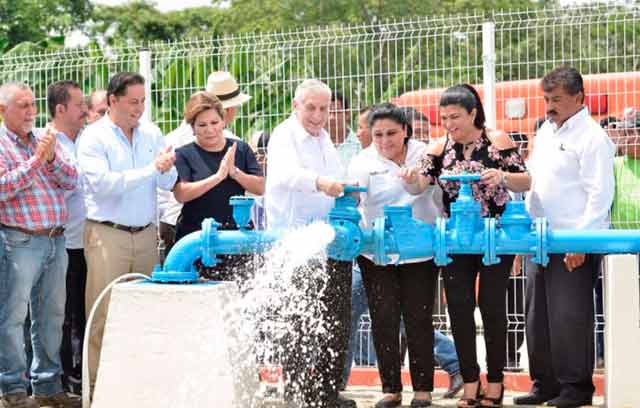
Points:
[(145, 71), (489, 72)]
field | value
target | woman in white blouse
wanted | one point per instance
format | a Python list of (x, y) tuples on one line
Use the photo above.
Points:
[(405, 291)]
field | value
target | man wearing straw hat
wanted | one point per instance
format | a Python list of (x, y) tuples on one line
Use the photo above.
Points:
[(225, 87)]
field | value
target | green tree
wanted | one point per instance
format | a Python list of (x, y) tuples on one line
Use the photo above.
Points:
[(284, 15), (40, 21), (140, 22)]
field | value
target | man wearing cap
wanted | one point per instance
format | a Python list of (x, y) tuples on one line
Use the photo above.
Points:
[(225, 87), (123, 161)]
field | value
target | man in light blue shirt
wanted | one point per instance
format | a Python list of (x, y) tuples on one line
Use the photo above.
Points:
[(123, 161), (68, 110), (343, 138)]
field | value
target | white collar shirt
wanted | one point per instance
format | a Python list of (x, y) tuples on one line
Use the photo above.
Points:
[(74, 227), (295, 160), (571, 167), (120, 177), (380, 176)]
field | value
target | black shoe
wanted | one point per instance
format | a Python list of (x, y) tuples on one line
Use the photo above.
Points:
[(417, 403), (455, 385), (342, 402), (564, 402), (471, 402), (534, 398), (493, 402), (389, 402)]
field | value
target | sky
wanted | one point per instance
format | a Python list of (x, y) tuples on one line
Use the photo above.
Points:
[(162, 5)]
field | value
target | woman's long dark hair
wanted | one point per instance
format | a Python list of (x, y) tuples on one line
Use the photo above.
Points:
[(466, 96)]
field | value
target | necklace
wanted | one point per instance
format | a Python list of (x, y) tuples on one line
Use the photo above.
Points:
[(468, 146)]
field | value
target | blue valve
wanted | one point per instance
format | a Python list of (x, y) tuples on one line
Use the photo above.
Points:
[(345, 220), (354, 189), (464, 177)]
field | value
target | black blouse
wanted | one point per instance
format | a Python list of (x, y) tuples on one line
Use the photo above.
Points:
[(484, 156)]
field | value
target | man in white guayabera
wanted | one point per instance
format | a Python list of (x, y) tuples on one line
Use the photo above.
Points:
[(573, 186), (304, 168)]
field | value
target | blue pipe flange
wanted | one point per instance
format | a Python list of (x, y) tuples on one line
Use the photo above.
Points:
[(490, 257), (542, 250), (209, 232), (161, 276), (440, 245), (379, 257), (347, 242)]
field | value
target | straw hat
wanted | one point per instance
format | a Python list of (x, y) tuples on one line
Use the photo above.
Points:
[(225, 87)]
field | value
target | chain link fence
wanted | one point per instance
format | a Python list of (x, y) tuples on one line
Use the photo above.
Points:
[(410, 62)]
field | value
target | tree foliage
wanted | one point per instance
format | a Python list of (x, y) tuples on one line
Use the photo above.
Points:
[(140, 22), (40, 21), (284, 15)]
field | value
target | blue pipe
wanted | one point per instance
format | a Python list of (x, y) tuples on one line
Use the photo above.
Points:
[(178, 266), (397, 236)]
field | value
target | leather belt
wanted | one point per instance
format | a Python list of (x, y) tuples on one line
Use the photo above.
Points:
[(45, 232), (126, 228)]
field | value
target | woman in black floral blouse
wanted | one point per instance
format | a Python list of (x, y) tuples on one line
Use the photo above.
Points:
[(472, 148)]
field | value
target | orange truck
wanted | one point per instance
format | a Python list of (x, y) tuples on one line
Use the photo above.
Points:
[(520, 103)]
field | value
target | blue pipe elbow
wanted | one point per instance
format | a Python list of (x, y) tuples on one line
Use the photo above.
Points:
[(178, 267)]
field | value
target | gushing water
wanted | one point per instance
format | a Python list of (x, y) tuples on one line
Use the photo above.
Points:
[(280, 308)]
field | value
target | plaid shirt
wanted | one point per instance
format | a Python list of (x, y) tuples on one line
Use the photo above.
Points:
[(32, 192)]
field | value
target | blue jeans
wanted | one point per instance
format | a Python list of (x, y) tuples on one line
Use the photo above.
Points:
[(359, 306), (33, 278), (444, 352)]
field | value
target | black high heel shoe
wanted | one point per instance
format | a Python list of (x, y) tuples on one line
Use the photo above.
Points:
[(420, 403), (389, 402), (471, 402), (495, 402)]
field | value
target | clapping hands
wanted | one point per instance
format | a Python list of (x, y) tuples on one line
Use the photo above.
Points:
[(46, 147), (165, 160), (227, 166)]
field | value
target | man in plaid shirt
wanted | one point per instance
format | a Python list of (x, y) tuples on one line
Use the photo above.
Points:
[(34, 174)]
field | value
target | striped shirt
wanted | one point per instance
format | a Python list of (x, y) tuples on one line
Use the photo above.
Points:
[(32, 192)]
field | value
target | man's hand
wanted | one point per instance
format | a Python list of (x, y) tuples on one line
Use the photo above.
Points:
[(165, 160), (516, 270), (573, 261), (329, 186), (46, 147)]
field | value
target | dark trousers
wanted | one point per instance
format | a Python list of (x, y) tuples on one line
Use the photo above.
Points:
[(74, 321), (559, 310), (460, 283), (168, 235), (314, 373), (401, 292)]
